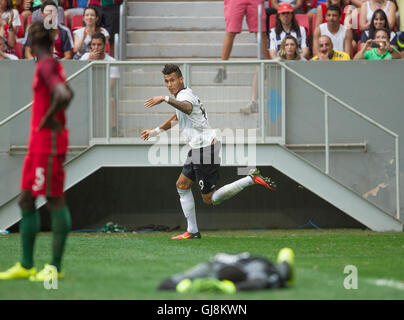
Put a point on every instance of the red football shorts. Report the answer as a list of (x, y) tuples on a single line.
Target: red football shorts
[(43, 175), (235, 10)]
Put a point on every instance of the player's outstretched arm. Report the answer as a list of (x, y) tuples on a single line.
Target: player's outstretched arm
[(183, 106), (148, 133)]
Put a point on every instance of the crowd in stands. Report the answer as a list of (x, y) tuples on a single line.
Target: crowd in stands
[(321, 29), (75, 23)]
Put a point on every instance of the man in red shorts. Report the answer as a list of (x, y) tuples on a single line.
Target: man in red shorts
[(234, 12), (43, 173)]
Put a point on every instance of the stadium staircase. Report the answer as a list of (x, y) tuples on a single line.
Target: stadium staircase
[(189, 30)]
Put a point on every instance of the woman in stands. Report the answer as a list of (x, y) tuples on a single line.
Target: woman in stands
[(370, 6), (379, 21), (289, 49), (9, 24), (82, 36), (286, 24)]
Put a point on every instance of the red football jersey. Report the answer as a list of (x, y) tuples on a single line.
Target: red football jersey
[(48, 73)]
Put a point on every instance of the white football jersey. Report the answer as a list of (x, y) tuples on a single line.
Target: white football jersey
[(195, 128)]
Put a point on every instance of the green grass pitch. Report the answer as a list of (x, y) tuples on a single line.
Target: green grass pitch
[(130, 266)]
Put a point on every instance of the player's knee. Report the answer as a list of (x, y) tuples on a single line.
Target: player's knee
[(207, 199), (182, 186), (26, 201), (54, 204)]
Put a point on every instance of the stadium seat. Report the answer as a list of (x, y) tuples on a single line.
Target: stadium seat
[(20, 32), (29, 20), (108, 48), (77, 21), (313, 23), (302, 20), (18, 49)]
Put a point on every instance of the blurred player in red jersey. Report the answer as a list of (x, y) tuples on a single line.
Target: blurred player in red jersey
[(43, 173)]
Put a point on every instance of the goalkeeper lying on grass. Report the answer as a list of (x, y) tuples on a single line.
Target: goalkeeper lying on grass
[(229, 273)]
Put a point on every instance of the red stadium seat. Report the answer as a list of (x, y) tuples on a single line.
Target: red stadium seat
[(108, 47), (20, 32), (18, 49), (77, 21), (313, 24), (29, 20)]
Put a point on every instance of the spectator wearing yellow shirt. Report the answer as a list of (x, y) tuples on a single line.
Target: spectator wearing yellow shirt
[(326, 50)]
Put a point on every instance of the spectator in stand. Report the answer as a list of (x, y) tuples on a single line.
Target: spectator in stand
[(97, 52), (286, 24), (297, 7), (322, 11), (9, 23), (63, 43), (340, 35), (37, 15), (81, 5), (327, 52), (289, 49), (400, 43), (234, 12), (379, 21), (370, 6), (3, 54), (82, 36), (110, 19), (379, 48)]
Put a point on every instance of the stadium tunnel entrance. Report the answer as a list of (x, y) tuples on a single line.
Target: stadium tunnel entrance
[(135, 197)]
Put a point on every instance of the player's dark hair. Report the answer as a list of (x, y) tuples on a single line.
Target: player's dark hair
[(372, 29), (48, 3), (334, 8), (40, 36), (99, 35), (385, 30), (170, 68)]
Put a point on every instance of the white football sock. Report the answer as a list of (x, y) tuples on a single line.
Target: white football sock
[(230, 190), (188, 207)]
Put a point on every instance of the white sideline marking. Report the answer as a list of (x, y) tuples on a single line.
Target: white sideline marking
[(388, 283)]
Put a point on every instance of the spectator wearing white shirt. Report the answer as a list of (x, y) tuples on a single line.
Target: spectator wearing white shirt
[(286, 24), (82, 36), (97, 52), (9, 24), (340, 35)]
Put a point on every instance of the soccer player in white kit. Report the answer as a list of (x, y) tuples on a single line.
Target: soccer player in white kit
[(203, 161)]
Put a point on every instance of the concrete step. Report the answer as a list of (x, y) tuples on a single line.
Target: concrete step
[(190, 23), (208, 92), (212, 107), (176, 8), (188, 50), (157, 37)]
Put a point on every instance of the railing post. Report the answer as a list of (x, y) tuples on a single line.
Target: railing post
[(327, 145), (259, 34), (261, 91), (107, 102), (283, 97), (397, 180), (90, 102)]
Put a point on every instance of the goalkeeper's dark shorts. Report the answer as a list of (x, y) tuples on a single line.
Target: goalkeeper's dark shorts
[(202, 165)]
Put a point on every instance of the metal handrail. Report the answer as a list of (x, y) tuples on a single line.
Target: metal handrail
[(26, 107)]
